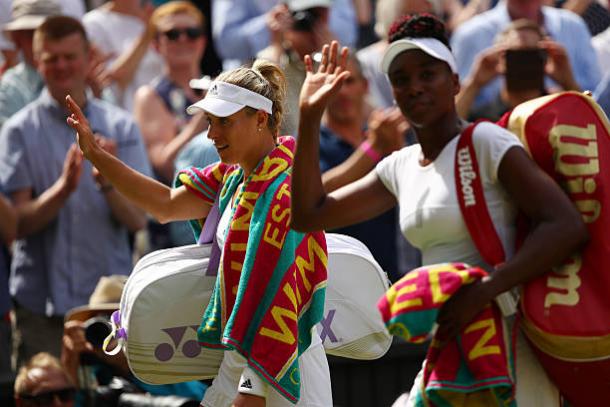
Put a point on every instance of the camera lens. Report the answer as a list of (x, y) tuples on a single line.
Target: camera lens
[(96, 330), (304, 20)]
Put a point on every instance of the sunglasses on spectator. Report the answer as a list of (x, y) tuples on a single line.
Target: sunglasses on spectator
[(192, 33), (47, 398)]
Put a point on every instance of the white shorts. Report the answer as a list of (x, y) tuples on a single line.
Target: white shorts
[(315, 381)]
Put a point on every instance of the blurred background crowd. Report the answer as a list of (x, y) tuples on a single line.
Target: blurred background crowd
[(66, 233)]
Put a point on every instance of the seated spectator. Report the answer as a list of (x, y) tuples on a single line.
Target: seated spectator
[(307, 31), (601, 43), (118, 29), (242, 28), (516, 89), (43, 381), (72, 225), (602, 94), (88, 366), (564, 27), (22, 84)]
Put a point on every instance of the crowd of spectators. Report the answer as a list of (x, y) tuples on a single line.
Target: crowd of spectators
[(135, 65)]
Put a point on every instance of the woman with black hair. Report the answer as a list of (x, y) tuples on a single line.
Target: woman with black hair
[(420, 180)]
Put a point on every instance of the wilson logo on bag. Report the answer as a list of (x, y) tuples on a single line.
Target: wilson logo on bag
[(565, 311)]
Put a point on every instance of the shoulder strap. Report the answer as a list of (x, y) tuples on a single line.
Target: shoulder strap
[(208, 235), (470, 195)]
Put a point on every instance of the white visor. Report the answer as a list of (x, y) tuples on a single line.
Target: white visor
[(223, 99), (430, 46)]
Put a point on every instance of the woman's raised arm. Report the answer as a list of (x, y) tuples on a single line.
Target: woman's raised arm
[(162, 202), (312, 208)]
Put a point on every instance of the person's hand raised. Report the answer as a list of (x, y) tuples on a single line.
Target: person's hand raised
[(387, 130), (78, 121), (319, 86)]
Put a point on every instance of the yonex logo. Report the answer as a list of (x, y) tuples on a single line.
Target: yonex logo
[(247, 384)]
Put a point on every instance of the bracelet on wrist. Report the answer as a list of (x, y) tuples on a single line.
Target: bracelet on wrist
[(370, 152)]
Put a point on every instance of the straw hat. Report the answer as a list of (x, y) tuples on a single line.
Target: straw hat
[(105, 299)]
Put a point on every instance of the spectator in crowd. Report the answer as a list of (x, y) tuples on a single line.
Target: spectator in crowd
[(22, 84), (160, 107), (601, 44), (305, 33), (594, 12), (72, 225), (242, 28), (344, 135), (43, 381), (8, 229), (120, 31), (82, 347), (491, 63), (564, 27)]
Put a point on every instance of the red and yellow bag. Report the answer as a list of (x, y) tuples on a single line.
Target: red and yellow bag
[(567, 311)]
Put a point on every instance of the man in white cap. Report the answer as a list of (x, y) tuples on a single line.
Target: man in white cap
[(22, 84)]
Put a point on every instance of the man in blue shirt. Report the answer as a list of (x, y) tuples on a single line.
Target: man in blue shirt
[(565, 27), (73, 226)]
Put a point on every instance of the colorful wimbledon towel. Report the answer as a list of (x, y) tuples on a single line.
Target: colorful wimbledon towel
[(271, 282), (471, 370)]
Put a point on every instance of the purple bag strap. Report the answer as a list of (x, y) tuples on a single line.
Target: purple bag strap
[(208, 235)]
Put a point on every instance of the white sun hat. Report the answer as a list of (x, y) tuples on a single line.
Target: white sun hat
[(223, 99), (431, 46)]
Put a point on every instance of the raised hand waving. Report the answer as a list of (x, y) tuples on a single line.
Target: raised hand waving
[(319, 86)]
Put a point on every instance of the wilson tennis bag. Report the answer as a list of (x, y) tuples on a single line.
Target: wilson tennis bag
[(167, 292), (565, 312)]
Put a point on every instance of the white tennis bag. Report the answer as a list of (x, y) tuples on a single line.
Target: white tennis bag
[(166, 294)]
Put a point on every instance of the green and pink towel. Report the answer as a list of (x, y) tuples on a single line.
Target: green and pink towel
[(475, 369), (271, 282)]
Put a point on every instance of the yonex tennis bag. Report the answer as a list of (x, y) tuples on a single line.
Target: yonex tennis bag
[(166, 294), (566, 311)]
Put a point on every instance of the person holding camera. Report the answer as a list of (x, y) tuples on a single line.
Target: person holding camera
[(242, 28), (89, 367), (307, 31), (524, 56)]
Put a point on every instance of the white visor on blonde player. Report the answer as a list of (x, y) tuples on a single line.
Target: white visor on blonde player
[(223, 99), (430, 46)]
